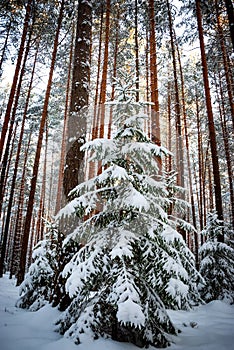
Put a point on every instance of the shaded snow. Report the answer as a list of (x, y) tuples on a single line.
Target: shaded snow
[(208, 327)]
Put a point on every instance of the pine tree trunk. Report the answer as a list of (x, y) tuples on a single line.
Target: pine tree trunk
[(136, 51), (169, 128), (222, 110), (225, 63), (40, 214), (96, 116), (196, 245), (114, 71), (179, 136), (60, 198), (104, 71), (213, 143), (15, 79), (77, 120), (230, 13), (200, 164), (29, 211), (155, 122)]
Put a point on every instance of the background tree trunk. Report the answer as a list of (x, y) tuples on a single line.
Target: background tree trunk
[(213, 143)]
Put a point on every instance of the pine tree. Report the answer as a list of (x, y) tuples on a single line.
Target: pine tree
[(217, 261), (134, 260)]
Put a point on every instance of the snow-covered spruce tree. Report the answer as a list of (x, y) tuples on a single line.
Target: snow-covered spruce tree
[(35, 291), (217, 263), (44, 282), (134, 259)]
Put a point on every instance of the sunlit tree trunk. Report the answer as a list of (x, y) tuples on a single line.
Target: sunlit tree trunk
[(114, 71), (200, 164), (60, 198), (136, 51), (77, 119), (16, 76), (212, 133), (179, 136), (155, 121), (95, 115), (104, 72)]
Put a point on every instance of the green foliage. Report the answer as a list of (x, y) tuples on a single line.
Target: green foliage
[(35, 290), (217, 261)]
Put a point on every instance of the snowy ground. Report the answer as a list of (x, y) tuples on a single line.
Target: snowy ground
[(208, 327)]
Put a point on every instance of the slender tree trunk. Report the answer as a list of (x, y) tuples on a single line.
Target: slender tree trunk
[(96, 117), (114, 71), (15, 79), (147, 80), (187, 146), (225, 63), (59, 197), (40, 214), (230, 13), (104, 71), (155, 122), (179, 136), (213, 143), (137, 51), (227, 149), (196, 244), (169, 127), (29, 211), (200, 164)]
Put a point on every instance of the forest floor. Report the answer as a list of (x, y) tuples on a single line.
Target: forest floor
[(207, 327)]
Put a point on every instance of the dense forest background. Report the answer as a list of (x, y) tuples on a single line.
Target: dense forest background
[(59, 67)]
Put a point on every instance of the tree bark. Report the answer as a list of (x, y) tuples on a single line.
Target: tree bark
[(104, 71), (136, 51), (179, 136), (213, 143), (225, 63), (77, 120), (227, 149), (155, 122), (60, 197)]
